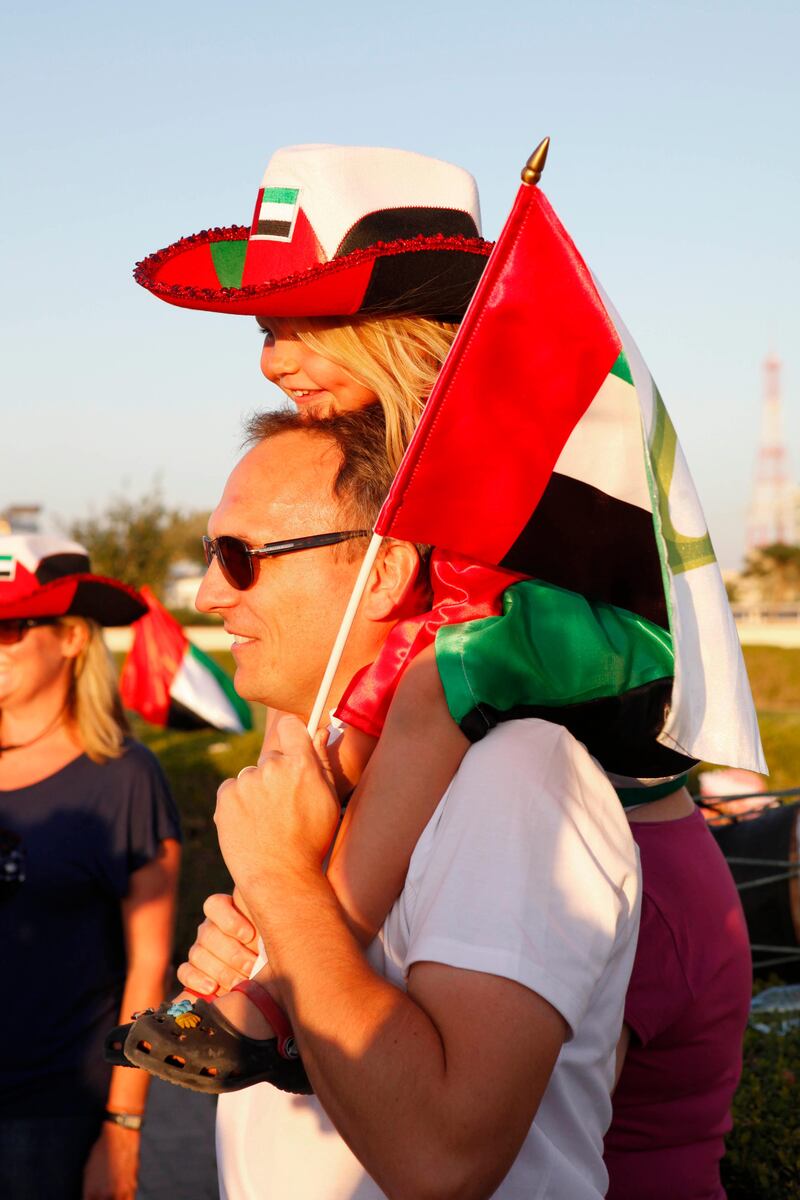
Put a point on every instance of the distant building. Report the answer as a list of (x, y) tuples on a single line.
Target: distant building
[(771, 516), (183, 583), (21, 518)]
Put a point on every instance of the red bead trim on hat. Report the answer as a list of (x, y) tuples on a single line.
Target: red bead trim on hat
[(144, 270), (56, 598)]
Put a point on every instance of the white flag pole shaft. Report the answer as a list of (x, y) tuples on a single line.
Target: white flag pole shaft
[(344, 630)]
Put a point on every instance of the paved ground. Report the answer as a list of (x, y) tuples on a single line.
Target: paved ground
[(178, 1160)]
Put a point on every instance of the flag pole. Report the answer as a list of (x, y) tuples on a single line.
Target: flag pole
[(344, 630)]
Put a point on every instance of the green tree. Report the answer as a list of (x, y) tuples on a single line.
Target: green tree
[(777, 569), (186, 535), (138, 540)]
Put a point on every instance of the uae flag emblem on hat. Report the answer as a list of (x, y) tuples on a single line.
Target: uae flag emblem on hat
[(276, 213), (172, 683)]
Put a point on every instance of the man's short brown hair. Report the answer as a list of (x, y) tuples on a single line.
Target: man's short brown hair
[(364, 477)]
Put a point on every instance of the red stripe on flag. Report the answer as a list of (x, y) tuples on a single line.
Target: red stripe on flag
[(153, 661), (257, 210), (532, 352)]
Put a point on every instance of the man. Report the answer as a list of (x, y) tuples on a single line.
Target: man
[(470, 1052)]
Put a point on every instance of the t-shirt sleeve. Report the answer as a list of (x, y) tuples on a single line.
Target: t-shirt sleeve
[(658, 992), (532, 873), (143, 813)]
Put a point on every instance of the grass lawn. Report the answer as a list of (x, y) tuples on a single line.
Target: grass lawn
[(775, 680)]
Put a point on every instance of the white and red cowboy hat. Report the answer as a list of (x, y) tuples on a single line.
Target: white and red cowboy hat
[(42, 576), (337, 231)]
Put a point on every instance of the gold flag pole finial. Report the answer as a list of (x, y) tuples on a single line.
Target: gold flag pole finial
[(532, 171)]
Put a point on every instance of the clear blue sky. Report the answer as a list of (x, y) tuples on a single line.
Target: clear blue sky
[(673, 165)]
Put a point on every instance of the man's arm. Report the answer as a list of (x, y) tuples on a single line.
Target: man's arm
[(435, 1089)]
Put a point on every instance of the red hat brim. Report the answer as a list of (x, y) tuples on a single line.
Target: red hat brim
[(106, 601), (427, 276)]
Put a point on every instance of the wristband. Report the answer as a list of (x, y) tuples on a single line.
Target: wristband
[(132, 1121)]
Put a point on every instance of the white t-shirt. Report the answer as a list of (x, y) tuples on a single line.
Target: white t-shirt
[(526, 870)]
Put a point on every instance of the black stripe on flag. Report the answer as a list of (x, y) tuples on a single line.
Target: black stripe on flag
[(274, 228), (582, 539)]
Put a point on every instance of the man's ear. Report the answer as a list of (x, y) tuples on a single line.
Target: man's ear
[(392, 580)]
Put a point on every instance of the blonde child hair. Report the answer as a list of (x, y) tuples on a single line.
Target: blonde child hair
[(397, 358), (93, 701)]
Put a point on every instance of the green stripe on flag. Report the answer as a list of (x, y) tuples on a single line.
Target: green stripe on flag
[(228, 259), (240, 707), (684, 553), (280, 195), (549, 648), (621, 368)]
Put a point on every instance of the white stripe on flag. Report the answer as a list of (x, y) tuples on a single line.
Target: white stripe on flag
[(196, 689), (276, 212), (605, 447)]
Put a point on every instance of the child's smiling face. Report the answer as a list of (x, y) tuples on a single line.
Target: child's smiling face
[(311, 381)]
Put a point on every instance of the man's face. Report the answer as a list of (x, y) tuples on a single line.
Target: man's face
[(284, 625)]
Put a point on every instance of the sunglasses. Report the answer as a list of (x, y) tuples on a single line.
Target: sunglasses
[(13, 629), (235, 557)]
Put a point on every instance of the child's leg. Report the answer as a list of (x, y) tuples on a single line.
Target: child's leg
[(418, 754)]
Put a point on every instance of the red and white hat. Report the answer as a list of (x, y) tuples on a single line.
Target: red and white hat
[(42, 576), (337, 231)]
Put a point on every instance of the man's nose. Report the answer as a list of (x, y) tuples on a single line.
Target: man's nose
[(214, 593)]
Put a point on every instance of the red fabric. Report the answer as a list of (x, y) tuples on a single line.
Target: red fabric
[(24, 596), (268, 259), (153, 661), (195, 263), (687, 1006), (533, 350), (105, 600), (462, 591)]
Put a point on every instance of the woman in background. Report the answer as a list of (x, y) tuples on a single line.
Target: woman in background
[(89, 839)]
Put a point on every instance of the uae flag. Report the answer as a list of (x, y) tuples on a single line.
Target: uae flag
[(545, 448), (171, 683), (276, 213)]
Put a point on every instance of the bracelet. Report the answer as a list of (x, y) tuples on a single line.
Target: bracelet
[(132, 1121)]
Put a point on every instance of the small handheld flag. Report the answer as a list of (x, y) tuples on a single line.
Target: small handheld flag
[(172, 683)]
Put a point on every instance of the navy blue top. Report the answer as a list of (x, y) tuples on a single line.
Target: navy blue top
[(82, 833)]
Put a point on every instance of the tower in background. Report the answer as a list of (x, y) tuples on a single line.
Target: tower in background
[(771, 516)]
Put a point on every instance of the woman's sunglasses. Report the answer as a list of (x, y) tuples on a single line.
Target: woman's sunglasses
[(13, 629), (235, 557)]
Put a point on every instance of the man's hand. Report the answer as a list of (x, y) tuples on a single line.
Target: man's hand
[(225, 950), (278, 819)]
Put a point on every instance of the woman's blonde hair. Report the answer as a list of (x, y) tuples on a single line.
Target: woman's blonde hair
[(93, 701), (397, 358)]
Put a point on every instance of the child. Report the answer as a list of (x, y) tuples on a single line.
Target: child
[(413, 252)]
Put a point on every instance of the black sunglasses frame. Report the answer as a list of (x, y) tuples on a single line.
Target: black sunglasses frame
[(219, 547), (22, 624)]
